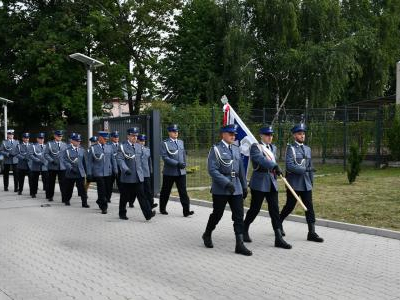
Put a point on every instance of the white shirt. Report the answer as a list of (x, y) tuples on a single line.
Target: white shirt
[(226, 144)]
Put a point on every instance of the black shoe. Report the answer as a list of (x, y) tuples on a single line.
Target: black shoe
[(33, 196), (163, 212), (131, 205), (15, 190), (108, 201), (312, 235), (104, 212), (50, 199), (19, 193), (207, 240), (123, 217), (246, 237), (280, 242), (153, 213), (154, 205), (6, 189), (188, 213), (67, 204), (240, 247), (85, 205)]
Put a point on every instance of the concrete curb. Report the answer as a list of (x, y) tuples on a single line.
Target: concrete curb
[(320, 222)]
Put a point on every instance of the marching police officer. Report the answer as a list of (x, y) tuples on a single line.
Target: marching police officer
[(93, 141), (147, 170), (9, 149), (300, 171), (114, 141), (101, 166), (131, 181), (23, 165), (52, 153), (264, 185), (174, 156), (74, 163), (38, 164), (229, 185)]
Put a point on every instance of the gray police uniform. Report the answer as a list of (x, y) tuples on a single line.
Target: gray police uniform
[(132, 177), (116, 177), (299, 174), (226, 166), (9, 149), (38, 166), (147, 171), (73, 162), (102, 165), (263, 185), (52, 154), (23, 165), (173, 154)]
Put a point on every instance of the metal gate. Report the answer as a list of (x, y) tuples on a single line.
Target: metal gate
[(147, 124)]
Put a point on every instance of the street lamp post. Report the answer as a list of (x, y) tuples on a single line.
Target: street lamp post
[(6, 101), (90, 64)]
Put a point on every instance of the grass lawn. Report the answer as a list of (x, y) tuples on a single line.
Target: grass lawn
[(373, 200)]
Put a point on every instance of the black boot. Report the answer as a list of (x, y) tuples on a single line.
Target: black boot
[(246, 237), (207, 239), (279, 241), (312, 235), (240, 247)]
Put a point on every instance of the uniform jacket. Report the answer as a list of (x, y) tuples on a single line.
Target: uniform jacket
[(146, 161), (9, 151), (299, 167), (222, 172), (73, 162), (37, 161), (262, 178), (101, 162), (129, 158), (53, 154), (173, 153), (23, 156)]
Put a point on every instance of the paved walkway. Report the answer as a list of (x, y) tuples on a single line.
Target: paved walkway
[(60, 252)]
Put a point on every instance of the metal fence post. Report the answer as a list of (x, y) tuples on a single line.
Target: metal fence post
[(378, 140), (264, 116), (345, 139), (213, 125), (324, 141), (155, 143)]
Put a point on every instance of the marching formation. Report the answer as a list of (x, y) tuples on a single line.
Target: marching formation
[(129, 166)]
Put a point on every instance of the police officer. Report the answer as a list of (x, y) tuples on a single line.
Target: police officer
[(300, 170), (93, 141), (147, 169), (174, 156), (52, 154), (23, 165), (38, 164), (74, 163), (114, 141), (9, 149), (101, 166), (131, 182), (264, 185), (229, 185)]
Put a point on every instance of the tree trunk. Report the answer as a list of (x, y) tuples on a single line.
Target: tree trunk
[(129, 91)]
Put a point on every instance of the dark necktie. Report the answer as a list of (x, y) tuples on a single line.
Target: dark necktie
[(102, 147), (58, 144), (41, 146)]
